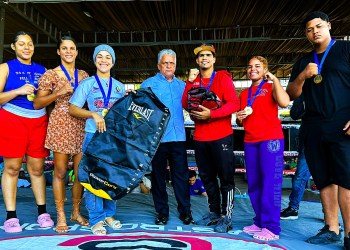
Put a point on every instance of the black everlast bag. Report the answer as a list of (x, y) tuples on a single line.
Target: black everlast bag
[(201, 96), (115, 161)]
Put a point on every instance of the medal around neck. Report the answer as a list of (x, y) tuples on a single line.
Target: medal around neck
[(318, 79), (104, 112), (248, 110), (31, 97)]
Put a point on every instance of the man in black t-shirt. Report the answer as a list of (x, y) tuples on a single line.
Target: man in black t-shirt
[(323, 76)]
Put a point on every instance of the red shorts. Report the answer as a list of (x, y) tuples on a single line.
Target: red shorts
[(21, 136)]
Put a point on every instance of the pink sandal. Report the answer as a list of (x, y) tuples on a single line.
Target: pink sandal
[(12, 226), (266, 235), (251, 229), (45, 220)]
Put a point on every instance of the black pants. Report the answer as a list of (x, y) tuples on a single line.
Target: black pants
[(175, 153), (216, 159)]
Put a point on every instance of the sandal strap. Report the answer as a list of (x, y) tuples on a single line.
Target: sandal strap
[(76, 202), (59, 205), (61, 216), (96, 228), (80, 220), (115, 224)]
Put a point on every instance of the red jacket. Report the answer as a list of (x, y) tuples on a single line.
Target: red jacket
[(263, 124), (219, 125)]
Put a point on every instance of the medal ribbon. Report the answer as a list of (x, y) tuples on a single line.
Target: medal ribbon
[(210, 81), (250, 101), (69, 78), (30, 78), (108, 97), (323, 57)]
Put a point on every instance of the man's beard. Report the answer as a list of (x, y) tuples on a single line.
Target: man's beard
[(204, 67)]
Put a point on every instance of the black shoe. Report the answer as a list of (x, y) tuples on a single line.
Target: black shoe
[(325, 236), (224, 225), (186, 218), (346, 243), (208, 219), (161, 219), (289, 213)]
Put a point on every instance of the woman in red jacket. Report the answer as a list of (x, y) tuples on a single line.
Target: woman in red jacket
[(263, 147)]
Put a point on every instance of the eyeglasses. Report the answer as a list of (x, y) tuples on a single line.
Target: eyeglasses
[(171, 64)]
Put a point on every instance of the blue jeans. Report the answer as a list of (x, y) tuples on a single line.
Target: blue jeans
[(302, 175), (99, 209)]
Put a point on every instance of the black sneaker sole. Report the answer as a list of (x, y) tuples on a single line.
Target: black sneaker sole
[(290, 218)]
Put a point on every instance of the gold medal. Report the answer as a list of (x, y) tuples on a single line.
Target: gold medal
[(31, 97), (248, 110), (318, 79), (104, 112)]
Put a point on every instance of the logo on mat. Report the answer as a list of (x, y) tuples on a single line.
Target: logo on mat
[(136, 240), (274, 146), (140, 111)]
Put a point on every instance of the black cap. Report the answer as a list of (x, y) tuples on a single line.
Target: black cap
[(315, 14)]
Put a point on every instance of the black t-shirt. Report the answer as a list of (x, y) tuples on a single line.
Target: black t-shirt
[(330, 99)]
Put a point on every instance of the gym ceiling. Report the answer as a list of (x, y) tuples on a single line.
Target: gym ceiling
[(138, 30)]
